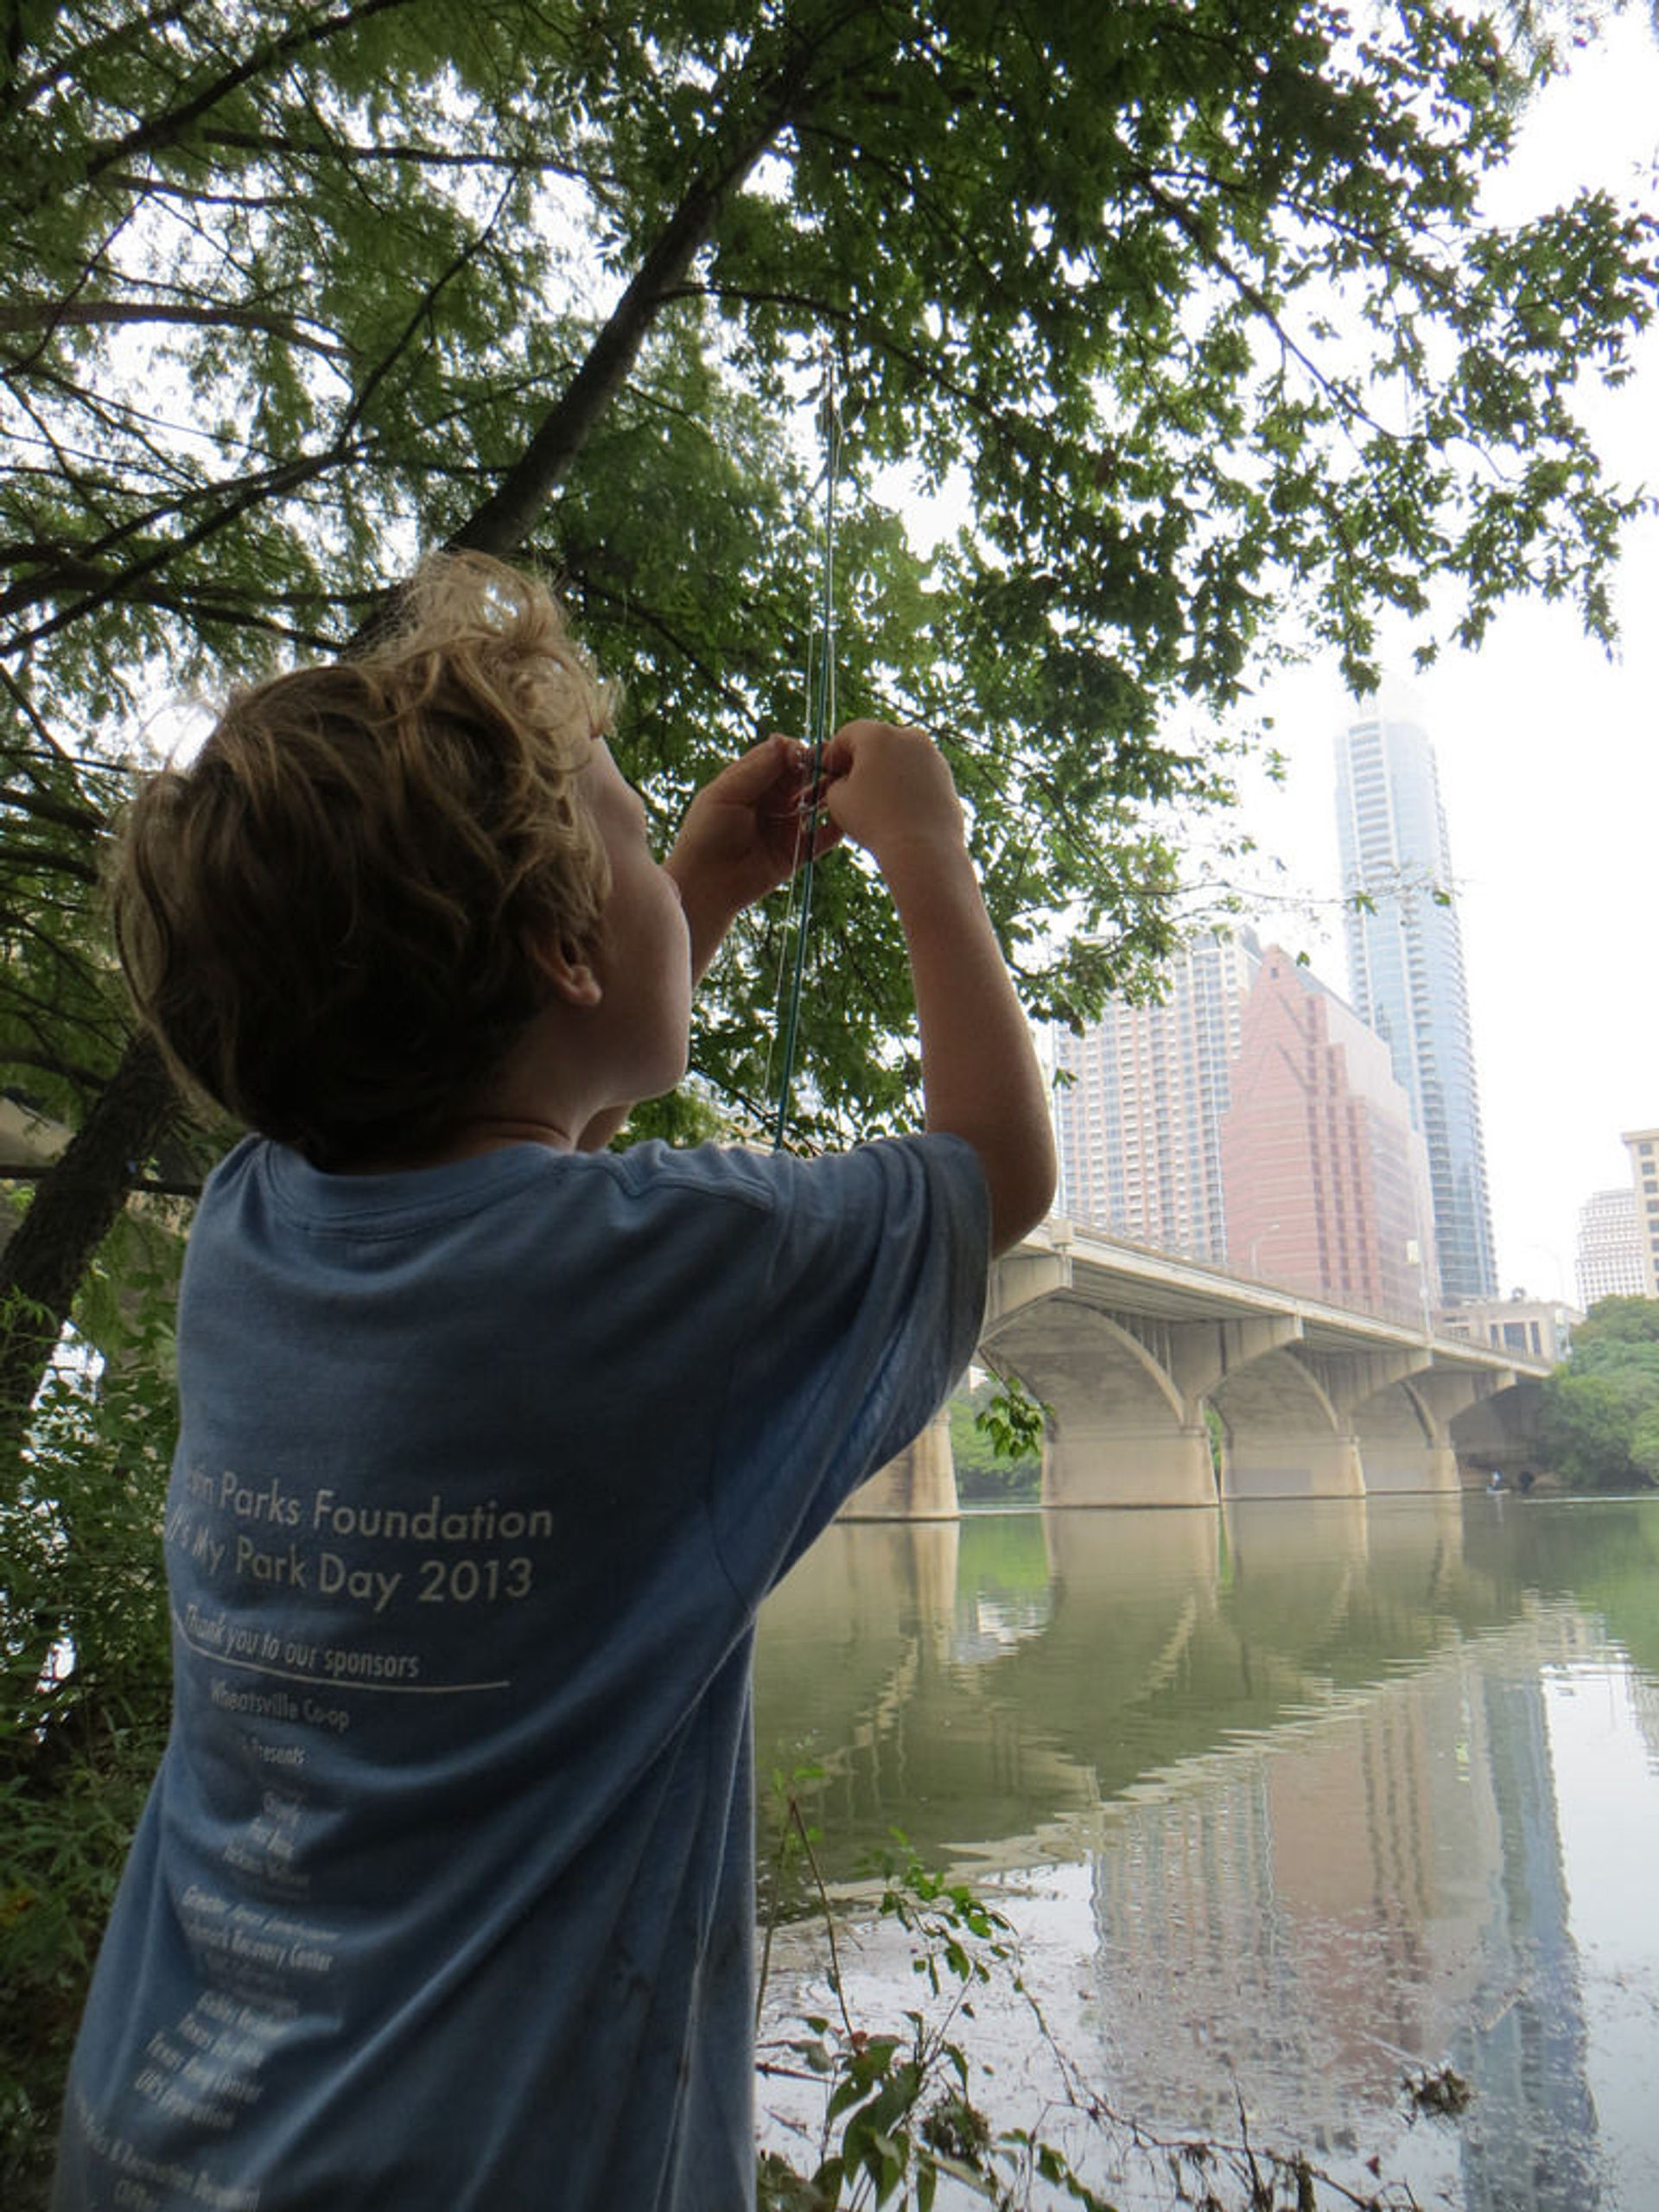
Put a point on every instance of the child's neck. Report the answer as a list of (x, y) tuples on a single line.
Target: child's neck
[(468, 1139), (488, 1132)]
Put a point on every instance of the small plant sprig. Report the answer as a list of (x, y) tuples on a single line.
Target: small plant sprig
[(898, 2115), (1014, 1420)]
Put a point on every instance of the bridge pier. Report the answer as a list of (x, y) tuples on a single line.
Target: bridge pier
[(1290, 1464), (1396, 1468), (1285, 1432), (1403, 1441), (1089, 1464), (920, 1485)]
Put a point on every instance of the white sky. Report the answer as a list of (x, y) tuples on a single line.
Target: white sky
[(1546, 757)]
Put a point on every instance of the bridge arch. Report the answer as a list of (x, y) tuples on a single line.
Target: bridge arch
[(1283, 1433), (1404, 1443), (1498, 1424), (1122, 1431)]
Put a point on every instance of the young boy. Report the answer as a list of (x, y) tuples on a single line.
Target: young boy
[(491, 1441)]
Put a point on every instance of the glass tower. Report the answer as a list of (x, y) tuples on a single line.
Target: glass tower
[(1405, 967)]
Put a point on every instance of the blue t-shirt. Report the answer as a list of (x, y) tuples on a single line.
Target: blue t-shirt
[(443, 1897)]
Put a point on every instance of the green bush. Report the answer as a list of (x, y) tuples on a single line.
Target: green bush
[(1601, 1428), (84, 1692)]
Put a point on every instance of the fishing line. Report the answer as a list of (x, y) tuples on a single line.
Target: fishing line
[(793, 892), (821, 710)]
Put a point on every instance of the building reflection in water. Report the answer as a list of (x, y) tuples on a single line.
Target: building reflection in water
[(1301, 1751), (1527, 2044)]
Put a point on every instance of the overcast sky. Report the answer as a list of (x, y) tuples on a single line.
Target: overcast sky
[(1549, 771)]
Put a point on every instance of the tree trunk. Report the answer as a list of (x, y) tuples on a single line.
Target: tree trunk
[(74, 1208)]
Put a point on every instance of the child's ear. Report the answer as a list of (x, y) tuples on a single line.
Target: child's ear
[(572, 977)]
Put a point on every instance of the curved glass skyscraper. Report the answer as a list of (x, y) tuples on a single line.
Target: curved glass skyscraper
[(1405, 966)]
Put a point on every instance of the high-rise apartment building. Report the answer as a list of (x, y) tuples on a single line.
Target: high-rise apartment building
[(1405, 966), (1643, 1146), (1610, 1249), (1139, 1122), (1326, 1180)]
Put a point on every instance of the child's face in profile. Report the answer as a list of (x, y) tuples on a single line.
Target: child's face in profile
[(643, 958)]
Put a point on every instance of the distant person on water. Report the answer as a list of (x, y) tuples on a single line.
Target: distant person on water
[(493, 1439)]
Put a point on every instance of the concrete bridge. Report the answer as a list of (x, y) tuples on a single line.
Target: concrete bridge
[(1133, 1351)]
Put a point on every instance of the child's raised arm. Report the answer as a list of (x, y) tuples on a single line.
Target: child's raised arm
[(891, 791)]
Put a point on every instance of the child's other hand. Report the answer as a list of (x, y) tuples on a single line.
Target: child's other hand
[(743, 834), (886, 787)]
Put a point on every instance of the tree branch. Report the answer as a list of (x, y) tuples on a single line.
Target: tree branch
[(500, 525), (267, 57), (57, 315), (346, 151), (53, 1245)]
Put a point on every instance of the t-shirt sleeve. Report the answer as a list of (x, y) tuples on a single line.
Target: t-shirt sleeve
[(871, 1304)]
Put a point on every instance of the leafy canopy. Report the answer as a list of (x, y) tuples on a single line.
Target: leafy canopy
[(1193, 303)]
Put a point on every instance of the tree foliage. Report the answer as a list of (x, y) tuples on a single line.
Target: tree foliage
[(998, 1461), (1601, 1408), (1194, 305), (84, 1677)]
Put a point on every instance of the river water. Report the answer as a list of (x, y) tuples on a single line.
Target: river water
[(1287, 1804)]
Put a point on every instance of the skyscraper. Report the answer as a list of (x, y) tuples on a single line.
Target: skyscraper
[(1405, 966), (1326, 1180), (1609, 1248), (1140, 1121)]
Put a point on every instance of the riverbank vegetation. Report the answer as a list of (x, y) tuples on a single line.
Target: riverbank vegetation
[(84, 1698), (862, 2114), (1601, 1406)]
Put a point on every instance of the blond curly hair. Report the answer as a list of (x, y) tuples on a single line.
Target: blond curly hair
[(331, 917)]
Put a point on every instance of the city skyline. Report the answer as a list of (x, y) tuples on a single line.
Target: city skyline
[(1249, 1118), (1543, 740)]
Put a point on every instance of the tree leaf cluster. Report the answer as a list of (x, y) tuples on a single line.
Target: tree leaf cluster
[(998, 1459)]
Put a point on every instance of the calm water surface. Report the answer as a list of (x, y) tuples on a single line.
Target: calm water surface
[(1284, 1802)]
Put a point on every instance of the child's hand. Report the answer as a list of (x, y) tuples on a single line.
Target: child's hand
[(887, 786), (743, 834)]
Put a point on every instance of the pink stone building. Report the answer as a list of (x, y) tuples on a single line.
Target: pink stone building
[(1326, 1182)]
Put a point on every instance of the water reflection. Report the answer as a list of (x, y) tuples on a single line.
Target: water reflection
[(1302, 1757)]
